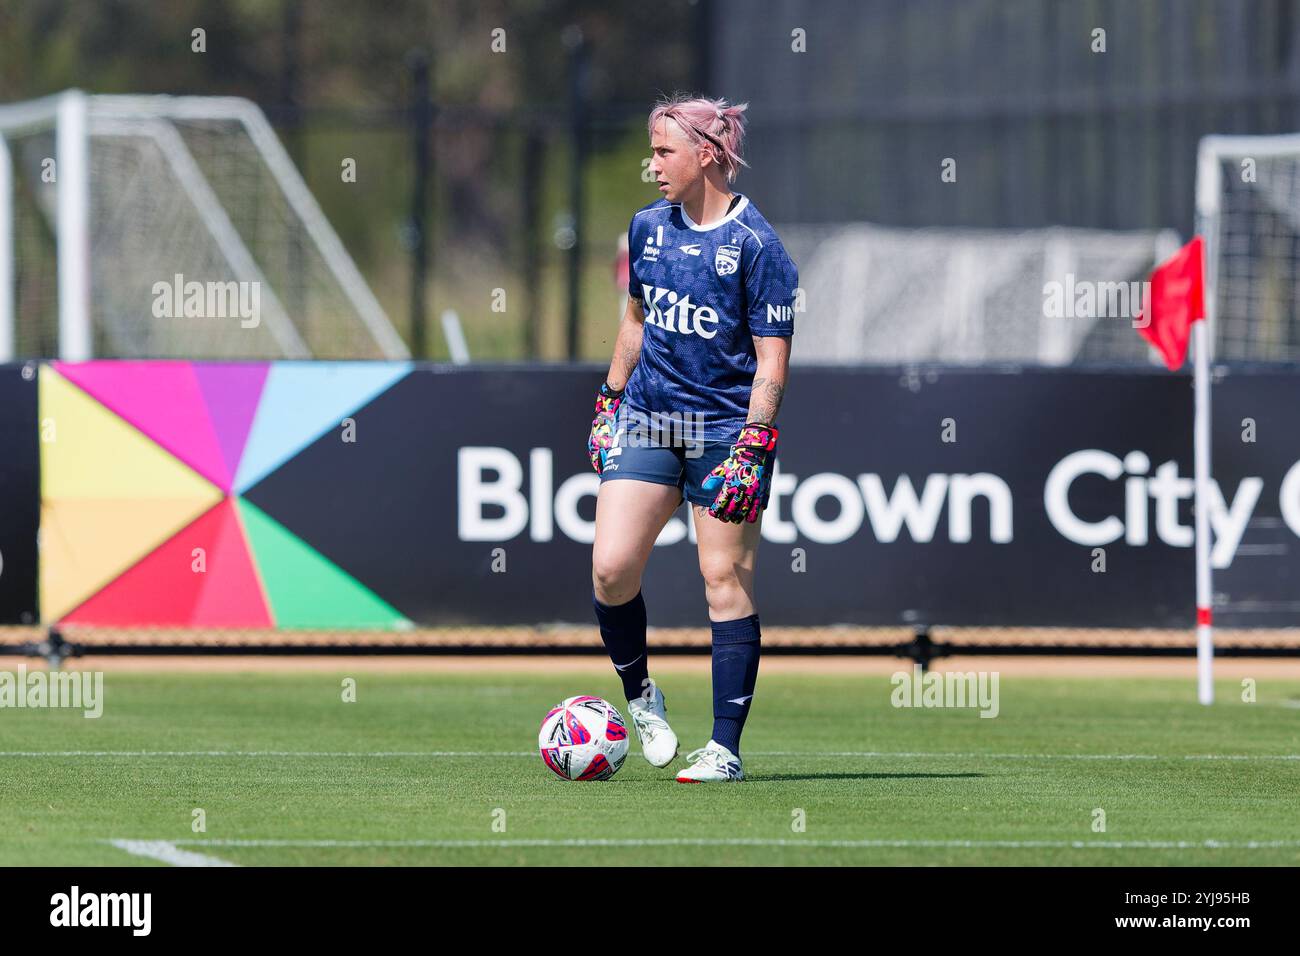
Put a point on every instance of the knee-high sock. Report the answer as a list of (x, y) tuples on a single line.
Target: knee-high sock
[(622, 628), (735, 671)]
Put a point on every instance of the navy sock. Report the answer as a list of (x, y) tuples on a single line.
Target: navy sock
[(622, 628), (735, 671)]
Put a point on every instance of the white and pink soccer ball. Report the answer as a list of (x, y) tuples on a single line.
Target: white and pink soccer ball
[(584, 738)]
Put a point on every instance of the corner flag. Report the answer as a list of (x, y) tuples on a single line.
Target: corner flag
[(1175, 311), (1177, 300)]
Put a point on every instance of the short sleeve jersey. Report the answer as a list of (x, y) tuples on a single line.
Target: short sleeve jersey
[(706, 291)]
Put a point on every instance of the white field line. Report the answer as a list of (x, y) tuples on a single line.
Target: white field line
[(268, 753), (168, 852), (862, 754), (979, 755), (780, 842)]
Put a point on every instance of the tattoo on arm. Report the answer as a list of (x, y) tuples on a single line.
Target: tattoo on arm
[(765, 399), (631, 355), (627, 348)]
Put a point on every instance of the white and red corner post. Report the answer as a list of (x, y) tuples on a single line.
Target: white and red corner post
[(1201, 454)]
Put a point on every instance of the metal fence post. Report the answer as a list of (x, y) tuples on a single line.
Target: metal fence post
[(578, 70), (421, 135)]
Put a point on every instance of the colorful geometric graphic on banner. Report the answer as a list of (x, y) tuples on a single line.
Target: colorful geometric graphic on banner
[(162, 400), (201, 577), (141, 519), (305, 589), (109, 495), (231, 392), (301, 402)]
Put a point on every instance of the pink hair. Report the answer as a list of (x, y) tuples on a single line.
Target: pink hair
[(709, 124)]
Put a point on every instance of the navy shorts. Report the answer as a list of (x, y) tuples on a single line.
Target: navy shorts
[(683, 464)]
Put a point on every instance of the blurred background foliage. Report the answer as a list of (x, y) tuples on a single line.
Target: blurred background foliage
[(855, 105), (335, 79)]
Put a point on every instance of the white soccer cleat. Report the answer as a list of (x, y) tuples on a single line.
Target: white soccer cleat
[(711, 763), (658, 742)]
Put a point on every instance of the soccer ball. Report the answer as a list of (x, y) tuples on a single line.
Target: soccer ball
[(584, 738)]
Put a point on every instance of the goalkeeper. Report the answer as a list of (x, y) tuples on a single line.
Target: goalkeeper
[(704, 345)]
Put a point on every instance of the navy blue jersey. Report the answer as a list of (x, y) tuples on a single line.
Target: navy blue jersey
[(706, 291)]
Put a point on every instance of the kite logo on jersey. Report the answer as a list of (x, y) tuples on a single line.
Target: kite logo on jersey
[(727, 260), (674, 313)]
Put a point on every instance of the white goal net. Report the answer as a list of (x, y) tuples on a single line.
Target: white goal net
[(1050, 296), (169, 227), (1248, 210)]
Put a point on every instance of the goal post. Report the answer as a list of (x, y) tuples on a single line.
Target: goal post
[(73, 228), (1248, 211), (139, 193)]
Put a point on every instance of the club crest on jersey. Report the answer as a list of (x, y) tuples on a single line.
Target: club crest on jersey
[(727, 260)]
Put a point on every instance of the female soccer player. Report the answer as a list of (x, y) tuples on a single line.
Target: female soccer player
[(702, 353)]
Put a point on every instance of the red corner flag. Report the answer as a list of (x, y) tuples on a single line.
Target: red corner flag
[(1177, 300)]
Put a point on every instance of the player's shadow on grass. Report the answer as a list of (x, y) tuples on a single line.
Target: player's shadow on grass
[(775, 777)]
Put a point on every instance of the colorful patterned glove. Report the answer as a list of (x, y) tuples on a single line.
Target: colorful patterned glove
[(742, 479), (602, 426)]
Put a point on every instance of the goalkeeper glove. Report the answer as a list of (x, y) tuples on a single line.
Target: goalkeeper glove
[(742, 480), (601, 438)]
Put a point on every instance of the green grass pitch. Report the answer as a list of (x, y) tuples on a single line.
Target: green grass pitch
[(425, 768)]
